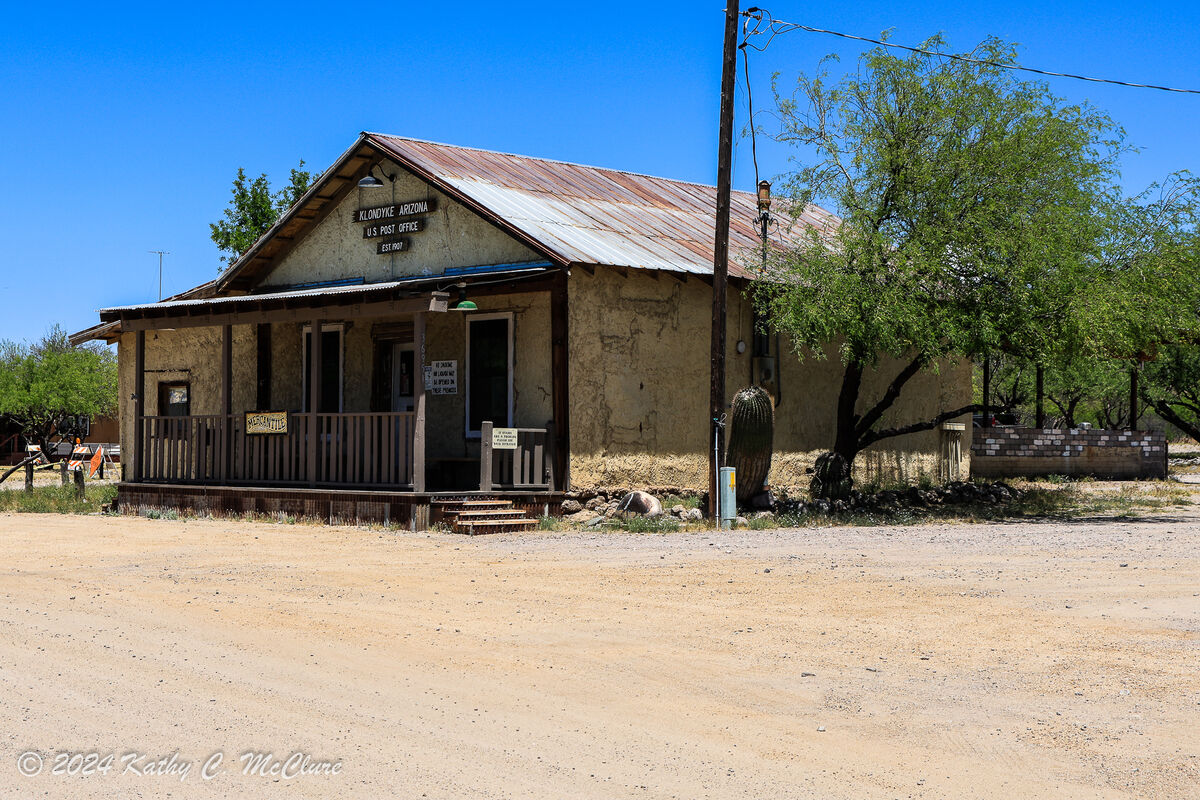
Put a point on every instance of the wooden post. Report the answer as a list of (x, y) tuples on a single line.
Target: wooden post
[(62, 468), (262, 400), (721, 248), (137, 469), (314, 397), (987, 391), (485, 457), (79, 490), (1133, 396), (227, 396), (560, 386), (418, 448), (29, 477), (1040, 378)]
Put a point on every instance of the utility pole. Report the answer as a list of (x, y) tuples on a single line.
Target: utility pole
[(721, 250), (161, 253)]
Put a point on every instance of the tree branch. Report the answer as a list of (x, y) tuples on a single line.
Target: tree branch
[(875, 436), (1164, 410), (889, 397)]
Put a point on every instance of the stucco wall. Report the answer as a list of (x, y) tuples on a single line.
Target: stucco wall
[(454, 236), (186, 354), (639, 352)]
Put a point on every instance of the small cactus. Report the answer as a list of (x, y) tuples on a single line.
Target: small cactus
[(831, 477), (751, 430)]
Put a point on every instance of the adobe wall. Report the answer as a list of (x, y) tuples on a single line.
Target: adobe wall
[(454, 236), (639, 361), (1010, 452), (185, 354)]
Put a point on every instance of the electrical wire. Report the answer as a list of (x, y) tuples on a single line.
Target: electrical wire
[(765, 25)]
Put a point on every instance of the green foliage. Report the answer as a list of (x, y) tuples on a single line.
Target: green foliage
[(661, 524), (254, 209), (43, 382), (979, 215), (58, 499), (1171, 386)]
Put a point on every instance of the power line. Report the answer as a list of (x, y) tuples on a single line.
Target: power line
[(765, 25)]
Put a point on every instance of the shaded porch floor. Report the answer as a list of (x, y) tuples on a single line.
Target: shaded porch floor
[(414, 511)]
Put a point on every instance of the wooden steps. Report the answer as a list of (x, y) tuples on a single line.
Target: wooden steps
[(472, 517)]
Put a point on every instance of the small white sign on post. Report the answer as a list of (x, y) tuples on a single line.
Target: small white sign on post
[(504, 438), (442, 377)]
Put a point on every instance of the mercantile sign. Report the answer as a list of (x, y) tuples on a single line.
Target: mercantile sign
[(266, 422)]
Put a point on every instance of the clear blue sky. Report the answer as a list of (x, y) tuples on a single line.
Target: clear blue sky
[(123, 126)]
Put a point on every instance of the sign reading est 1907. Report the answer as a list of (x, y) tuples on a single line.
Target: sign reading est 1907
[(388, 222)]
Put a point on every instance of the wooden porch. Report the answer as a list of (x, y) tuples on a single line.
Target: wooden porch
[(414, 511)]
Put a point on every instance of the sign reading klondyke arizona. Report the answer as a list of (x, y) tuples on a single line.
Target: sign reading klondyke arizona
[(386, 223)]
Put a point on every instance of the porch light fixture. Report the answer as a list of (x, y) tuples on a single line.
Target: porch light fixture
[(371, 182), (463, 304), (764, 196)]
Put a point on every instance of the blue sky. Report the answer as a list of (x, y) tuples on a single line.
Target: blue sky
[(123, 127)]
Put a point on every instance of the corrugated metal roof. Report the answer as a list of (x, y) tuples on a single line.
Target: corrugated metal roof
[(593, 215), (209, 302)]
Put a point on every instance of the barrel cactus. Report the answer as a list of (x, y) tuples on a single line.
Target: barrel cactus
[(751, 430), (831, 477)]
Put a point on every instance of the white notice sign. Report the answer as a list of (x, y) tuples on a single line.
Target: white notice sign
[(504, 438), (442, 377)]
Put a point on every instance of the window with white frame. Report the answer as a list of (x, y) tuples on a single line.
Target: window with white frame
[(489, 371)]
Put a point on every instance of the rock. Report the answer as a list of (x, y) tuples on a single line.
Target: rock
[(820, 729), (581, 516), (641, 503), (594, 503), (763, 500), (694, 515), (678, 510), (571, 506), (741, 522)]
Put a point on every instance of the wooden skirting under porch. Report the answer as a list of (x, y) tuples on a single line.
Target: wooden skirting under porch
[(411, 510)]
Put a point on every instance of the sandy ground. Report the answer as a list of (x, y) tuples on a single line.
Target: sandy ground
[(957, 661)]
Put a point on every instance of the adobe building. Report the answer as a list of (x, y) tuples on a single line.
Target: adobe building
[(490, 326)]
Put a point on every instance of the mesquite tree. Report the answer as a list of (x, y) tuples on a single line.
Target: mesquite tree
[(969, 207), (44, 382), (253, 210)]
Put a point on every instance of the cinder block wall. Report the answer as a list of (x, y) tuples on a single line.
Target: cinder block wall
[(1028, 452)]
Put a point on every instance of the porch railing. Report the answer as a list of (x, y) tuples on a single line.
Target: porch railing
[(363, 450), (529, 466)]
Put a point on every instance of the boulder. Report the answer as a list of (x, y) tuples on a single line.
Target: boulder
[(694, 515), (571, 506), (641, 503)]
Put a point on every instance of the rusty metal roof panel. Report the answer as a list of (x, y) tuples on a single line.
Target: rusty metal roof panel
[(594, 215)]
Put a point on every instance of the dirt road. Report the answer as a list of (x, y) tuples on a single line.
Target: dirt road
[(956, 661)]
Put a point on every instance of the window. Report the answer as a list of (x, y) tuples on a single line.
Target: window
[(489, 371), (174, 399), (330, 391)]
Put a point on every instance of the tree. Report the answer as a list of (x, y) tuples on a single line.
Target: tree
[(43, 383), (1172, 387), (969, 219), (253, 210)]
